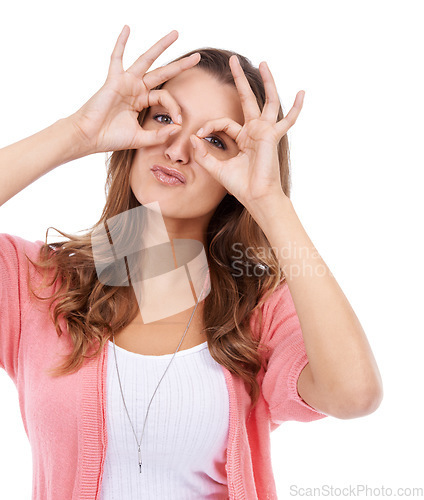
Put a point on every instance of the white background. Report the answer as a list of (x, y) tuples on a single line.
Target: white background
[(357, 163)]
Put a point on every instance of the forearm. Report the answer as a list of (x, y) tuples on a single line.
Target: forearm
[(25, 161), (340, 358)]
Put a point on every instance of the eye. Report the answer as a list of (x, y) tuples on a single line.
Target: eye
[(159, 115), (220, 144)]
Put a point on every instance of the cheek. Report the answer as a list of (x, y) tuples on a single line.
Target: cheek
[(136, 170), (214, 188), (139, 162), (131, 178)]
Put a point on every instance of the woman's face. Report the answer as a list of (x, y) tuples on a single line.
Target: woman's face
[(187, 208)]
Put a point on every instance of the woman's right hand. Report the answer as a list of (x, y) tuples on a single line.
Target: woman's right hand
[(108, 120)]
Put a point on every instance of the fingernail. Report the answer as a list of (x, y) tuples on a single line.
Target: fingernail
[(179, 119), (199, 132)]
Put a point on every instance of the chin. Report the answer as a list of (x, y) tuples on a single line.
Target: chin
[(165, 206)]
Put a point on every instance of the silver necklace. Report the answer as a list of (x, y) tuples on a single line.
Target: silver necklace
[(148, 408)]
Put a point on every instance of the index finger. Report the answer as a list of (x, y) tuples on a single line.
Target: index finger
[(143, 63), (164, 73)]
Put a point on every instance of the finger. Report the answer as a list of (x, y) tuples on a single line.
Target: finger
[(164, 73), (153, 137), (226, 125), (165, 99), (143, 63), (205, 159), (290, 119), (115, 65), (248, 100), (272, 101)]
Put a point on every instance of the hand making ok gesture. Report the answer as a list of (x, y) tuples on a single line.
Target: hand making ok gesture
[(254, 174)]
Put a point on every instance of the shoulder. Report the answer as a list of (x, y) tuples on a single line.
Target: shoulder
[(281, 295), (14, 264), (15, 247), (278, 306)]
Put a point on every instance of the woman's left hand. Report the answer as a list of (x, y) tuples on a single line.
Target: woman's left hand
[(254, 174)]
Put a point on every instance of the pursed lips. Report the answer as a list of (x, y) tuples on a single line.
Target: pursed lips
[(170, 171)]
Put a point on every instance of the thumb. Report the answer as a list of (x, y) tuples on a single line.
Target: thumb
[(204, 158)]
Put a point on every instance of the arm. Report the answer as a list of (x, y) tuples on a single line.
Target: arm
[(342, 377), (27, 160), (281, 333), (108, 121)]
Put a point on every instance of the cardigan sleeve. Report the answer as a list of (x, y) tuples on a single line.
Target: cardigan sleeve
[(13, 297), (286, 359)]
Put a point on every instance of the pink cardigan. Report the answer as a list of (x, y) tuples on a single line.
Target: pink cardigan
[(64, 417)]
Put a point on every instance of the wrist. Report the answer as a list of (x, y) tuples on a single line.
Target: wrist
[(265, 209), (80, 144)]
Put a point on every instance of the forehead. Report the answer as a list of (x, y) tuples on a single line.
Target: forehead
[(201, 94)]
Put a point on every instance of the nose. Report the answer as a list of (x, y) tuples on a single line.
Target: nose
[(178, 147)]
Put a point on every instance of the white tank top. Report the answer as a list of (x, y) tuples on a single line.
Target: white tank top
[(184, 444)]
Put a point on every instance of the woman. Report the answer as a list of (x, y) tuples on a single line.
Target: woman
[(266, 343)]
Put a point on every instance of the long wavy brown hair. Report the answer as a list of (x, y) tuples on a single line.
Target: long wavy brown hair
[(93, 311)]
